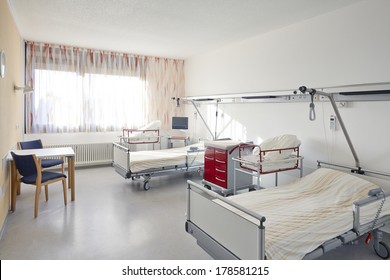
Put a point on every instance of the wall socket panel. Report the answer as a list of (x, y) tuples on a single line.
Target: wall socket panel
[(332, 122)]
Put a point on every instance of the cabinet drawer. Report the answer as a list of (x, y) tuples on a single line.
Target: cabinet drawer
[(220, 161), (220, 173), (220, 155), (221, 181), (209, 153), (220, 165)]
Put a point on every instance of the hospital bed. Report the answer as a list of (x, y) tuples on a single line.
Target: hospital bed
[(149, 134), (303, 219), (148, 164), (274, 155)]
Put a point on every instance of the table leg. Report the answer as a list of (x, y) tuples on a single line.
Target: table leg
[(15, 185), (71, 178)]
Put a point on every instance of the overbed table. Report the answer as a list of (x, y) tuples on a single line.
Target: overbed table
[(42, 153)]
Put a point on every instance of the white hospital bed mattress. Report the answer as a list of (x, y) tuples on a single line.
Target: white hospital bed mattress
[(156, 159), (302, 215)]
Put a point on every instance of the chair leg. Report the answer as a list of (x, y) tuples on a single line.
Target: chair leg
[(64, 189), (18, 191), (37, 193), (46, 192)]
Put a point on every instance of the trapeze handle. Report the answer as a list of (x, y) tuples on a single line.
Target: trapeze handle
[(312, 113)]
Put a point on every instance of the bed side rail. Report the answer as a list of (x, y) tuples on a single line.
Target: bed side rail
[(150, 136), (360, 171), (375, 196), (291, 156)]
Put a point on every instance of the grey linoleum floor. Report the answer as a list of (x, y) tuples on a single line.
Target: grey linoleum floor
[(113, 218)]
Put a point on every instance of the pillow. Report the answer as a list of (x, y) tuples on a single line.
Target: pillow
[(153, 125)]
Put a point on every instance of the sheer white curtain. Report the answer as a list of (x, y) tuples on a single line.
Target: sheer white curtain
[(84, 90)]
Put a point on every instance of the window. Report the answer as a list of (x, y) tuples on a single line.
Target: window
[(64, 101), (85, 90)]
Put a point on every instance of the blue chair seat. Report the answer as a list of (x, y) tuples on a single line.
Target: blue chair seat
[(51, 162), (46, 176)]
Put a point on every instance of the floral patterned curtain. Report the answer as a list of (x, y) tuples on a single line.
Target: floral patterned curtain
[(85, 90)]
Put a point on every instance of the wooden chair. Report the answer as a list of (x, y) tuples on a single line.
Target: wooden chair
[(30, 169)]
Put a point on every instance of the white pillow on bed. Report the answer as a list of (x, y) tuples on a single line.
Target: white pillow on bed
[(278, 142), (153, 125)]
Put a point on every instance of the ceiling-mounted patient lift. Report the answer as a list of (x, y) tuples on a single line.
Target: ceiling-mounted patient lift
[(330, 96), (312, 117), (213, 135), (355, 92), (291, 96)]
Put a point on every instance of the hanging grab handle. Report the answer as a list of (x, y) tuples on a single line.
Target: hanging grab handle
[(312, 113), (311, 91)]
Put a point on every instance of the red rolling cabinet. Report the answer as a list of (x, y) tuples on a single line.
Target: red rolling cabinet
[(219, 166)]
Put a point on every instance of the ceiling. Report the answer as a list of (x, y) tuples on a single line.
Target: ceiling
[(164, 28)]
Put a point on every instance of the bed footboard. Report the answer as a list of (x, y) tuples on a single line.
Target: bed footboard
[(121, 160), (223, 233)]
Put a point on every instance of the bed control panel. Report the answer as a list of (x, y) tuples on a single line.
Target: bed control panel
[(375, 192)]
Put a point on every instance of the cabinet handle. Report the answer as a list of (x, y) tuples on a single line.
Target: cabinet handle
[(208, 158), (220, 170), (220, 161), (217, 152), (220, 179)]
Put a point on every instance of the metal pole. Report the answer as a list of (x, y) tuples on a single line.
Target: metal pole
[(336, 110), (188, 201), (261, 245), (208, 128)]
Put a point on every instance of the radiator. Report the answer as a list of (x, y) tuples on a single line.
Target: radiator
[(90, 154)]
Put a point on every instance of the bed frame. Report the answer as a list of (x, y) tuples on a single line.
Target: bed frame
[(224, 234), (122, 159)]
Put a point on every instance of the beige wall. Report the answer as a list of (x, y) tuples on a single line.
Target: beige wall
[(10, 101)]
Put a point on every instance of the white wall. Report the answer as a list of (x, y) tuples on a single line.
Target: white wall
[(345, 47)]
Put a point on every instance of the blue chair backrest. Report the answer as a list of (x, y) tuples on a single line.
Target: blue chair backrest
[(25, 164), (34, 144)]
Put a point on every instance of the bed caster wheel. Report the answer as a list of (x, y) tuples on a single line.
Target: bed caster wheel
[(207, 187), (383, 251), (146, 186)]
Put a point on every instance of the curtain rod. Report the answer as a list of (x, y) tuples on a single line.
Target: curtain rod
[(97, 50)]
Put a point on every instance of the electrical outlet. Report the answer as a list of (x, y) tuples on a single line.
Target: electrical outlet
[(341, 104), (332, 122)]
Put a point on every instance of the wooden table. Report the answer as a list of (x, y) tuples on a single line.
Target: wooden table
[(42, 153)]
